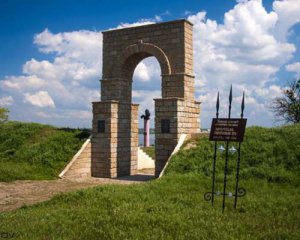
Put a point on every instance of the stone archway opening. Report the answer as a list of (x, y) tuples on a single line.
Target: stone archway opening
[(131, 57), (115, 125), (146, 86)]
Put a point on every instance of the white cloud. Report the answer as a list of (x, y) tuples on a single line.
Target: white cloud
[(141, 72), (20, 83), (294, 67), (273, 91), (187, 12), (288, 12), (147, 70), (77, 45), (246, 50), (241, 1), (244, 40), (146, 86), (143, 21), (40, 99), (6, 101), (157, 18), (68, 114), (136, 24), (70, 79)]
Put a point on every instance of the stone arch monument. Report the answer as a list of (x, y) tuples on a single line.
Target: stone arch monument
[(115, 117)]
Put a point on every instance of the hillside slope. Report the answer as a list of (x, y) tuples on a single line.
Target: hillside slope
[(266, 153), (173, 206), (35, 151)]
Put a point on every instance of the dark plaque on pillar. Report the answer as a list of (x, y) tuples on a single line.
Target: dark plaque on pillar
[(101, 126), (165, 126)]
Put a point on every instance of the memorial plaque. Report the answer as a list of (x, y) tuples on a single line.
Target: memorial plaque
[(225, 129), (101, 126), (165, 126)]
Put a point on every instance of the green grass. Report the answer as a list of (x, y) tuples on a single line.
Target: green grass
[(170, 208), (173, 207), (272, 154), (150, 151), (35, 151)]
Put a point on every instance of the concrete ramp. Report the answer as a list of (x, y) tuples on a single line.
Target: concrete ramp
[(80, 165), (182, 139)]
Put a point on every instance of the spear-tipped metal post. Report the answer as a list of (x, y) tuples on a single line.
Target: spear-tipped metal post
[(215, 156), (243, 106), (226, 157), (239, 157), (230, 101)]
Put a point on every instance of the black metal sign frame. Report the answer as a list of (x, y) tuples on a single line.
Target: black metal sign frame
[(228, 130)]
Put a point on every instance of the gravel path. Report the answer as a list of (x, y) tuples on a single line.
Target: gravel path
[(18, 193)]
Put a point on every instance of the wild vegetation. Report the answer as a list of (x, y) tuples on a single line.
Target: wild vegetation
[(3, 115), (35, 151), (287, 106), (173, 206)]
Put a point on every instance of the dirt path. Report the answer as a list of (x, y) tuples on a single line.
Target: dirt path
[(18, 193)]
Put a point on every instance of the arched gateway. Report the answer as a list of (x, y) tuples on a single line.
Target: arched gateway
[(115, 117)]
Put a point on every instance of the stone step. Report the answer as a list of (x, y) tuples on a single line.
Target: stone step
[(144, 160), (148, 155)]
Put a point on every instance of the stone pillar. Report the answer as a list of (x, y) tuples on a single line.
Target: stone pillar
[(165, 139), (114, 148), (104, 140), (134, 137), (182, 116), (127, 141)]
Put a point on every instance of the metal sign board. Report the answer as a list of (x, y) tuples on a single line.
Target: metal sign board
[(228, 129)]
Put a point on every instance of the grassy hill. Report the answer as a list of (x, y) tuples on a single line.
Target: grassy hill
[(266, 153), (35, 151), (173, 206)]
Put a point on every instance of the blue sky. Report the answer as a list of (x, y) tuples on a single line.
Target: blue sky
[(51, 54), (20, 20)]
